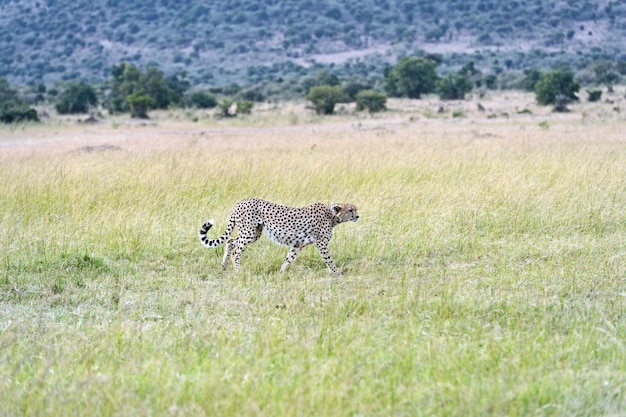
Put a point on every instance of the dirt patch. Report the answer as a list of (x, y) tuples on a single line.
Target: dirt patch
[(99, 148)]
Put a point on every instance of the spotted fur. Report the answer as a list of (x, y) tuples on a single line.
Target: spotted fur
[(289, 226)]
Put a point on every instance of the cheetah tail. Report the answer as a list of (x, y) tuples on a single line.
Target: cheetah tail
[(202, 234)]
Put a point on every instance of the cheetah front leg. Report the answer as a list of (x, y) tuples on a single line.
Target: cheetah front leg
[(322, 247)]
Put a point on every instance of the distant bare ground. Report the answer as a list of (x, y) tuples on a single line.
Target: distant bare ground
[(290, 122)]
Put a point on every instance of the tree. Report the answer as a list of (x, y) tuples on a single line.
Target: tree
[(77, 98), (322, 77), (8, 96), (554, 84), (371, 100), (454, 87), (412, 77), (324, 98), (154, 84), (127, 80), (491, 82), (531, 78), (606, 73), (124, 82)]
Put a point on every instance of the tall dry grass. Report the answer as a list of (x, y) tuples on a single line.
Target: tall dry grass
[(485, 276)]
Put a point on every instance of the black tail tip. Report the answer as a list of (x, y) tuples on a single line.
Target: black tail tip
[(206, 226)]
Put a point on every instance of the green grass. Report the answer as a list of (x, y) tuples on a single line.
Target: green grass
[(486, 275)]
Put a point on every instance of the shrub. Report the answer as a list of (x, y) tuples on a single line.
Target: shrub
[(322, 77), (229, 107), (252, 94), (245, 106), (454, 87), (16, 114), (13, 109), (371, 100), (202, 100), (605, 73), (77, 98), (139, 104), (353, 88), (531, 78), (560, 103), (8, 96), (457, 114), (594, 95), (491, 82), (324, 98), (556, 83)]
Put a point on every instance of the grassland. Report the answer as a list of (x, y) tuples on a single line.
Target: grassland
[(486, 275)]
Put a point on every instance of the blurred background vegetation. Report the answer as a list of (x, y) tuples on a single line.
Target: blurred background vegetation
[(190, 52)]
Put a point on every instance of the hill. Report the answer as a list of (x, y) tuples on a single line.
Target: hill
[(247, 41)]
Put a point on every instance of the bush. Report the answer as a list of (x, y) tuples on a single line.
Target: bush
[(560, 103), (322, 77), (605, 73), (21, 113), (594, 95), (245, 106), (324, 98), (371, 100), (353, 88), (554, 84), (139, 104), (491, 82), (202, 100), (13, 109), (8, 96), (531, 78), (252, 94), (77, 98), (230, 107), (454, 87)]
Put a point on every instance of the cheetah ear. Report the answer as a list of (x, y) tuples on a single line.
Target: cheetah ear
[(336, 208)]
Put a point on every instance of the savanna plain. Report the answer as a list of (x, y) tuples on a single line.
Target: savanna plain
[(485, 276)]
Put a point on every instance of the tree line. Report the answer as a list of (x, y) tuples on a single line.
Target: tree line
[(137, 92), (64, 38)]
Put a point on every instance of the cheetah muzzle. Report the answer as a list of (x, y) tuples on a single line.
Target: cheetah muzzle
[(289, 226)]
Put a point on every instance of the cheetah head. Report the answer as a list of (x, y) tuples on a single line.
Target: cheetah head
[(345, 212)]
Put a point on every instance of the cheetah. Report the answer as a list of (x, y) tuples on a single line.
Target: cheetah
[(289, 226)]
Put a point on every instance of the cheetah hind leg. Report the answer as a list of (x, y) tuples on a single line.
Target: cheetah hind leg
[(240, 244), (228, 250), (293, 252)]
